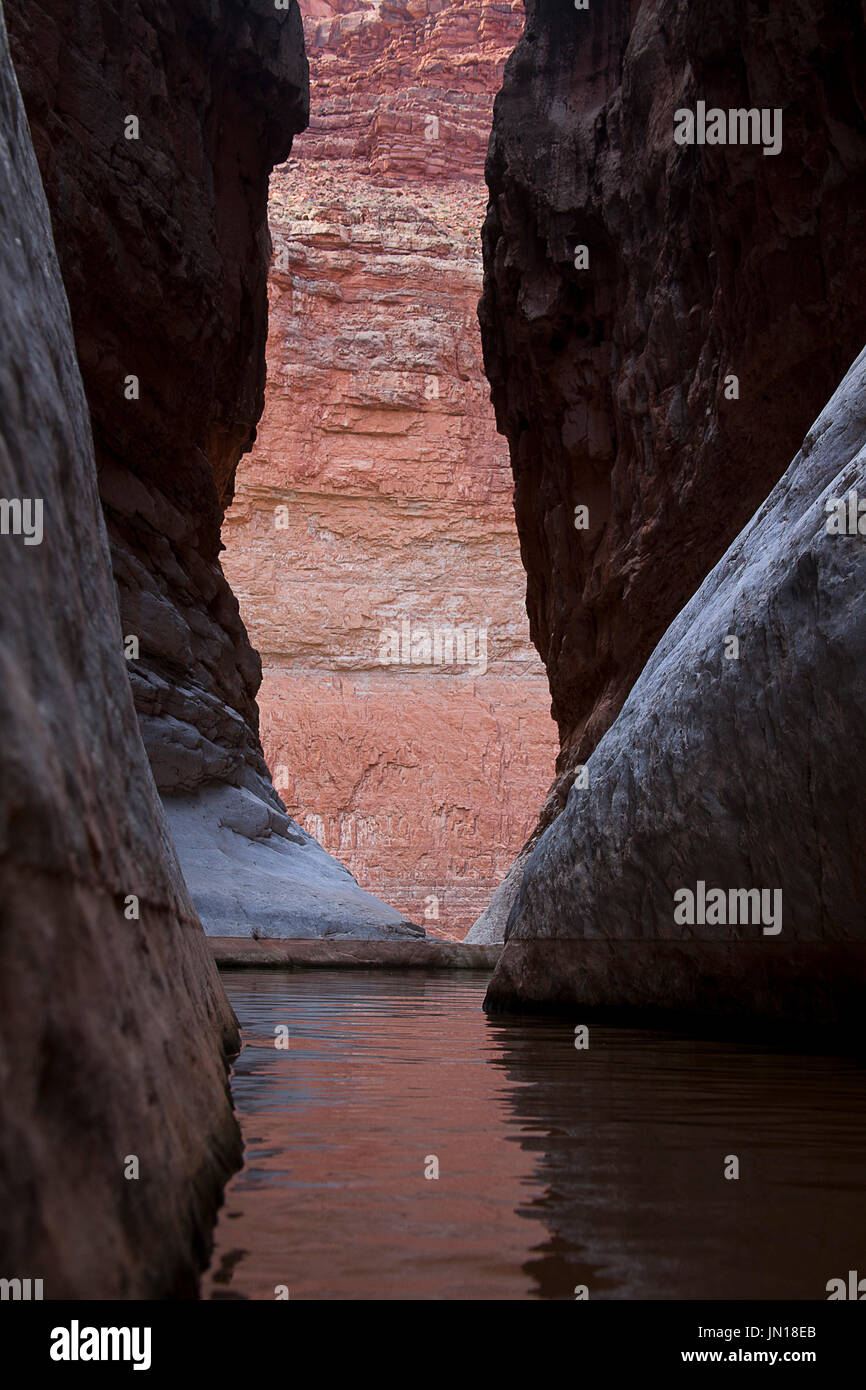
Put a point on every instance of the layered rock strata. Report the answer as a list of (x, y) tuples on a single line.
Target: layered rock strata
[(662, 320), (375, 510), (712, 863), (113, 1022), (232, 953), (156, 128)]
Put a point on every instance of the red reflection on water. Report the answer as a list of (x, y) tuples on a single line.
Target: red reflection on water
[(557, 1166), (378, 1078)]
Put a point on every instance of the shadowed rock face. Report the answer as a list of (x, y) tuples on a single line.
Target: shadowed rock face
[(729, 770), (705, 262), (164, 248), (163, 245), (113, 1028)]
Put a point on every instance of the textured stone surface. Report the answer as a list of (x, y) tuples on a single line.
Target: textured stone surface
[(405, 89), (737, 773), (164, 249), (163, 246), (113, 1031), (704, 261), (378, 490), (490, 925), (253, 872)]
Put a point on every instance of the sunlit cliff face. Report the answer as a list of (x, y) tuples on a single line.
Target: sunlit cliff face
[(372, 542)]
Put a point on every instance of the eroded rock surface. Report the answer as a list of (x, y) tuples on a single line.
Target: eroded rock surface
[(252, 871), (113, 1027), (378, 493), (613, 382), (163, 244), (730, 769)]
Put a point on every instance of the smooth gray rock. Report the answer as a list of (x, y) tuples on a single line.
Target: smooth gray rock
[(252, 871), (742, 774), (113, 1028)]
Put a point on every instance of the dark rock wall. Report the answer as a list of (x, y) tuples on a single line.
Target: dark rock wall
[(113, 1028), (164, 249), (713, 864), (609, 382)]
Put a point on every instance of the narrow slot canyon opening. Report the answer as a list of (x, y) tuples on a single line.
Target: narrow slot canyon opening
[(673, 336), (371, 543)]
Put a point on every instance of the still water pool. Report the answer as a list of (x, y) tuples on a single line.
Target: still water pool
[(557, 1167)]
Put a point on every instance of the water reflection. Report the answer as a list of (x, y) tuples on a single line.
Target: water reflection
[(557, 1167)]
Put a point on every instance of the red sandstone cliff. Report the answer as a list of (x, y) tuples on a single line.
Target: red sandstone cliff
[(378, 492)]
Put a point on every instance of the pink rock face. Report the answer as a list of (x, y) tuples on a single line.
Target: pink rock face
[(372, 546)]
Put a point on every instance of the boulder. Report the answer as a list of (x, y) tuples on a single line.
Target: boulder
[(709, 863), (662, 321)]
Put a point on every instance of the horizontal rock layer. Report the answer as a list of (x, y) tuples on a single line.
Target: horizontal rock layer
[(352, 955), (405, 88), (733, 767), (376, 506), (113, 1023)]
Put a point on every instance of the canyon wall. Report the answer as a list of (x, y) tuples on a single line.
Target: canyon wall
[(113, 1023), (375, 509), (654, 384), (156, 128), (712, 863)]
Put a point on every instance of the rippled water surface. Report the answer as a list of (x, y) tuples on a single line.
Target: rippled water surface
[(557, 1167)]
